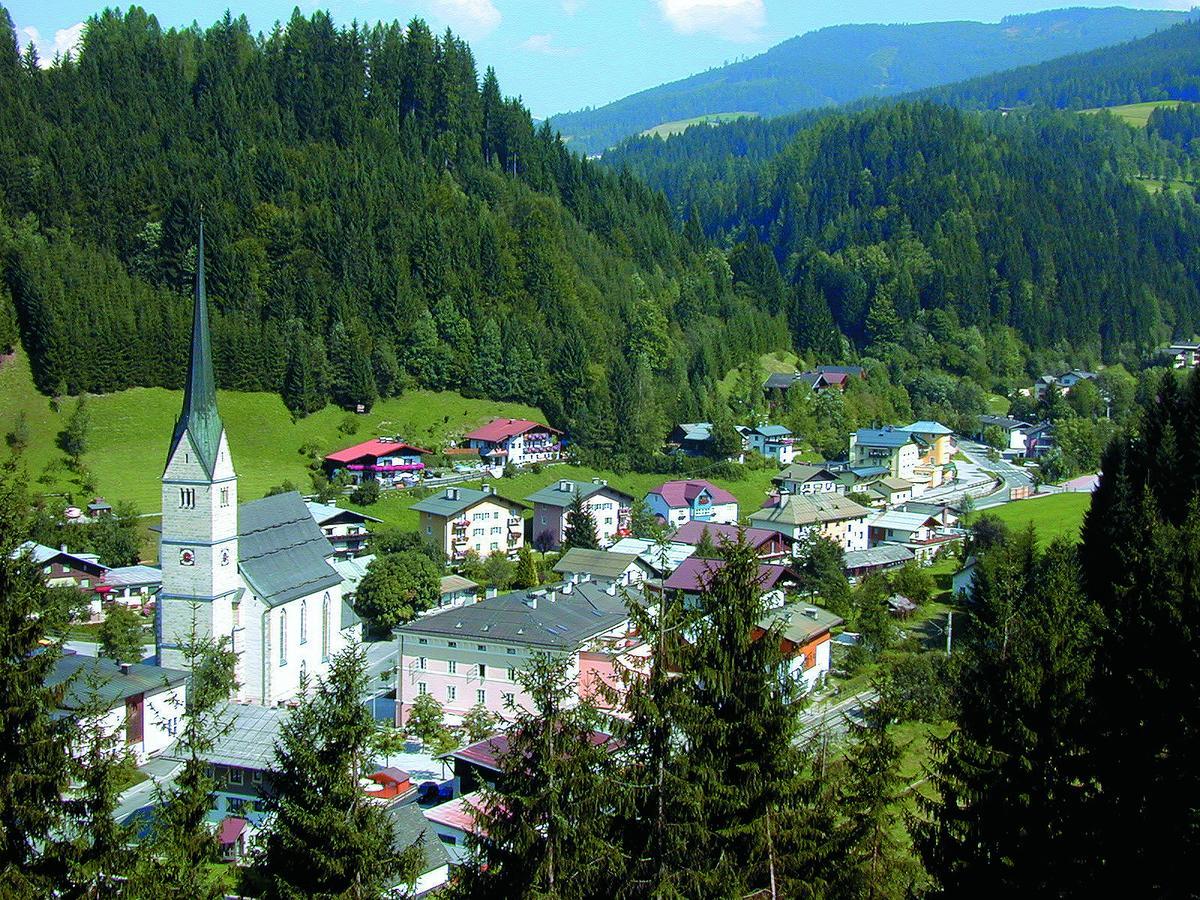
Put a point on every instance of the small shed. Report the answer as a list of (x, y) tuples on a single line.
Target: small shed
[(393, 782), (900, 606)]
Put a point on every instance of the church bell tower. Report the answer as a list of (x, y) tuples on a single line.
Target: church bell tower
[(198, 550)]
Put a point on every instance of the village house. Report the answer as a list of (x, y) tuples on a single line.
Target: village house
[(462, 520), (454, 821), (1015, 432), (134, 586), (1181, 355), (819, 379), (694, 574), (805, 639), (806, 478), (1061, 383), (658, 559), (61, 568), (1039, 440), (470, 656), (516, 441), (858, 479), (918, 532), (691, 438), (608, 506), (679, 502), (938, 441), (139, 706), (875, 560), (601, 567), (410, 827), (946, 514), (242, 764), (258, 572), (772, 441), (893, 491), (831, 516), (767, 545), (897, 450), (386, 460), (455, 591), (345, 529)]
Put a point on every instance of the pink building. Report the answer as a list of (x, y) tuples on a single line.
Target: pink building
[(471, 655)]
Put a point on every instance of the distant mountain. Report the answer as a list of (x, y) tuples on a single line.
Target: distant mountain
[(849, 62)]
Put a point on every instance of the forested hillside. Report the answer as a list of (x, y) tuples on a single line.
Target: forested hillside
[(1032, 222), (377, 215), (847, 62)]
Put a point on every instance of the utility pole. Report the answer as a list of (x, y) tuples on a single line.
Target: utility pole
[(949, 630)]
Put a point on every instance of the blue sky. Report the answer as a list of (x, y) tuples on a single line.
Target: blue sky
[(565, 54)]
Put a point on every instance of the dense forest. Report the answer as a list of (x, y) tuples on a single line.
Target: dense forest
[(377, 215), (844, 63)]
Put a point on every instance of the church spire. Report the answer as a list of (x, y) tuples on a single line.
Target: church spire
[(199, 417)]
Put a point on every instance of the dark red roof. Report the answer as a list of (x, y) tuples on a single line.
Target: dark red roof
[(488, 752), (694, 574), (682, 493), (231, 829), (691, 532), (501, 429), (374, 448), (390, 774)]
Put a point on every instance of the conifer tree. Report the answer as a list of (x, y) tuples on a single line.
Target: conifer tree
[(326, 838), (528, 575), (33, 743), (544, 831), (121, 636), (580, 530)]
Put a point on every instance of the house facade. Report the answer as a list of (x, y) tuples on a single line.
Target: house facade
[(386, 460), (608, 506), (462, 520), (805, 639), (772, 441), (679, 502), (803, 478), (345, 529), (692, 438), (61, 568), (831, 516), (470, 656), (258, 573), (516, 441), (895, 449), (134, 586), (938, 442)]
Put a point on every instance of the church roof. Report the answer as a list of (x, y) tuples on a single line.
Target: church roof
[(199, 417), (281, 551)]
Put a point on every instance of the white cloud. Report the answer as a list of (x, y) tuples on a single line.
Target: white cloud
[(66, 40), (544, 44), (737, 20), (474, 18)]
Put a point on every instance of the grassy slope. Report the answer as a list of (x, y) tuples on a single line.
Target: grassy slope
[(131, 430), (1055, 515), (666, 129), (751, 491), (1136, 114)]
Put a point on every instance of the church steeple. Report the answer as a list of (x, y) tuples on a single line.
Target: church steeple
[(199, 417)]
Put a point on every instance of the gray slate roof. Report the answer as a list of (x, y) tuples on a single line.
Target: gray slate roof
[(782, 380), (800, 622), (883, 555), (249, 742), (453, 500), (562, 623), (103, 678), (803, 472), (597, 563), (323, 512), (281, 551), (554, 495), (409, 825)]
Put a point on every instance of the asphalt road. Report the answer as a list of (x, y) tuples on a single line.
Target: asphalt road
[(833, 719), (1011, 476)]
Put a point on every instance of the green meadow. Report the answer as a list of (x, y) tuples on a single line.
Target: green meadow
[(1054, 515), (666, 129)]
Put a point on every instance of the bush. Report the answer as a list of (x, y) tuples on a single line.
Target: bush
[(349, 425), (366, 493), (918, 686)]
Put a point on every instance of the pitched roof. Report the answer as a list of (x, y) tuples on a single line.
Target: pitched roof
[(41, 554), (458, 813), (803, 472), (452, 584), (249, 742), (132, 576), (352, 570), (694, 574), (501, 429), (692, 532), (489, 752), (199, 417), (799, 623), (324, 512), (926, 426), (409, 826), (693, 431), (561, 617), (453, 500), (597, 563), (900, 521), (841, 370), (810, 509), (771, 430), (282, 553), (883, 437), (883, 555), (88, 676), (780, 380), (1006, 422), (554, 495), (376, 447), (893, 483), (651, 554), (682, 493)]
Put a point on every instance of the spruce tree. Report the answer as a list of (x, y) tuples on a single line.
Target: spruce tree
[(326, 839), (33, 743), (528, 574), (580, 530)]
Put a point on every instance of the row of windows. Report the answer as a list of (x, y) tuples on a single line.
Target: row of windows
[(482, 648), (452, 668), (187, 497), (324, 624), (452, 694)]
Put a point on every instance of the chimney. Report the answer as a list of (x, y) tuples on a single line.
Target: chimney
[(603, 482), (124, 668), (62, 547), (552, 596), (487, 488), (611, 590), (531, 599), (811, 612), (452, 493), (489, 593), (569, 586)]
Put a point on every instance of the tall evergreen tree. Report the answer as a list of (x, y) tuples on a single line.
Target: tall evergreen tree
[(580, 528)]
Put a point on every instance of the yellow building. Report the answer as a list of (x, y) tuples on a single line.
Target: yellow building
[(462, 520)]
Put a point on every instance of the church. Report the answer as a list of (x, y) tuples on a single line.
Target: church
[(257, 573)]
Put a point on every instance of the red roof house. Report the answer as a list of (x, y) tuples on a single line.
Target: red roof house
[(767, 544), (395, 782), (693, 575), (516, 441), (385, 459)]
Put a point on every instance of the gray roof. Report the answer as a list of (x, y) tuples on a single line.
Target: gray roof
[(559, 621), (349, 616), (41, 554), (453, 500), (1006, 422), (352, 570), (809, 509), (926, 426), (899, 521), (554, 495), (803, 472), (409, 825), (800, 622), (323, 512), (883, 437), (694, 431), (782, 380), (89, 676), (597, 563), (133, 576), (652, 555), (883, 555), (281, 551), (249, 741)]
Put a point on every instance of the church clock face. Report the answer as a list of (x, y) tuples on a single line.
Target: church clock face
[(225, 556), (187, 557)]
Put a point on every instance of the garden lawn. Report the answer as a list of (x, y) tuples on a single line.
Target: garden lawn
[(1052, 515), (130, 432)]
